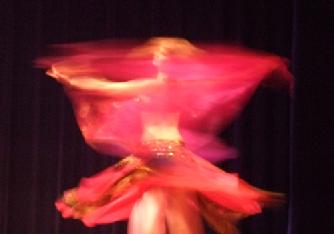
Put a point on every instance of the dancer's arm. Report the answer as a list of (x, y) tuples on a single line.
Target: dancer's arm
[(105, 87)]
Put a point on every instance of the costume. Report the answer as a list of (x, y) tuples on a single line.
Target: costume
[(159, 105)]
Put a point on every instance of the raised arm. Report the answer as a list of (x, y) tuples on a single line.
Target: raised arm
[(106, 87)]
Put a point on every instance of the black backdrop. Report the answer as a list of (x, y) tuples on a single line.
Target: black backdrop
[(283, 142)]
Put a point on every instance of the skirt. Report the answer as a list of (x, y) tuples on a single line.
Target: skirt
[(165, 188)]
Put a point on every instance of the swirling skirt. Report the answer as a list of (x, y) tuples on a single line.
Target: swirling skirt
[(171, 193)]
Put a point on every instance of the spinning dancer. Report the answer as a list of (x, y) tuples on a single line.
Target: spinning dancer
[(159, 106)]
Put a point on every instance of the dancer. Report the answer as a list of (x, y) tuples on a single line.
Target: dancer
[(159, 106)]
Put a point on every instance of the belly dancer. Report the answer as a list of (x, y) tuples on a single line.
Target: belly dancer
[(159, 106)]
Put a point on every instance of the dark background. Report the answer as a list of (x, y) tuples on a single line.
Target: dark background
[(285, 143)]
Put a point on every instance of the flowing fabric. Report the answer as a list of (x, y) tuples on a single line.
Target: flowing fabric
[(163, 102), (133, 189)]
